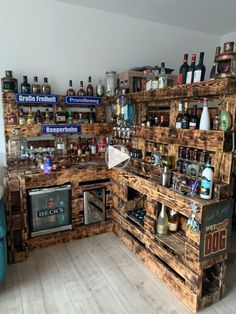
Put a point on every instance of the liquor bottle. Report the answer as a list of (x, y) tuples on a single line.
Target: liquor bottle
[(179, 117), (9, 83), (173, 220), (25, 86), (162, 82), (126, 87), (214, 67), (123, 102), (203, 159), (207, 181), (80, 120), (165, 177), (87, 148), (90, 89), (60, 116), (70, 91), (191, 69), (61, 145), (205, 119), (100, 90), (38, 118), (200, 69), (183, 71), (36, 87), (46, 88), (70, 117), (30, 117), (194, 167), (79, 147), (162, 221), (81, 91), (186, 162), (216, 122), (179, 163), (47, 117), (185, 118), (93, 147), (91, 118), (22, 119), (193, 119)]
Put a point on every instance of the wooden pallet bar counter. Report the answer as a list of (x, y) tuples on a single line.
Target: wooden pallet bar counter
[(191, 263)]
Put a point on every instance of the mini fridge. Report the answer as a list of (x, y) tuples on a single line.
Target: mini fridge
[(50, 209)]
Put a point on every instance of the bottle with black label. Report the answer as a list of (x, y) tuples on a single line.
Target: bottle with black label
[(200, 69), (193, 119), (183, 71), (36, 87), (193, 168), (207, 181), (46, 88), (191, 69), (185, 118), (25, 86), (60, 116)]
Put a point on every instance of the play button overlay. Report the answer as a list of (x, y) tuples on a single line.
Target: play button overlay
[(117, 156)]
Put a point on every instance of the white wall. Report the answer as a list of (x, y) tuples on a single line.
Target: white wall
[(63, 41), (228, 37)]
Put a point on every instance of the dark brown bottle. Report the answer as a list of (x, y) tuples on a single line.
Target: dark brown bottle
[(193, 119), (36, 87), (185, 119), (46, 88), (60, 116), (191, 69), (90, 89), (179, 163), (81, 91), (38, 118), (70, 91), (183, 71)]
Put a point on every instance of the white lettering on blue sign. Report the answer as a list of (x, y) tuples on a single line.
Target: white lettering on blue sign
[(55, 129), (83, 100), (36, 99)]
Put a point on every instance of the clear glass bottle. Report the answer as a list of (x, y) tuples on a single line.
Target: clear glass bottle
[(9, 83), (193, 168), (25, 86), (162, 221), (61, 145), (173, 220), (46, 88), (100, 90), (165, 177), (162, 81), (110, 83), (70, 91), (36, 87)]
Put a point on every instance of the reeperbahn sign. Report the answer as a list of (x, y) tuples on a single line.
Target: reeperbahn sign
[(36, 99), (60, 129), (83, 100)]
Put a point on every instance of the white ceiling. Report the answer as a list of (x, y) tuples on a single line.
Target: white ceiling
[(208, 16)]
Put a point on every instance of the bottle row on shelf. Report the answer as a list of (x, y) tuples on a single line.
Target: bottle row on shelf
[(60, 116)]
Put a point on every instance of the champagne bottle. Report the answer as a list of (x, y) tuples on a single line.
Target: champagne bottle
[(162, 221), (205, 119), (183, 71)]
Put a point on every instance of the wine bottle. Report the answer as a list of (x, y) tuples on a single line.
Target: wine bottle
[(191, 69), (179, 117), (90, 89), (205, 119), (214, 67), (70, 91), (183, 71), (207, 181), (193, 119), (81, 91), (200, 69), (185, 118), (162, 221)]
